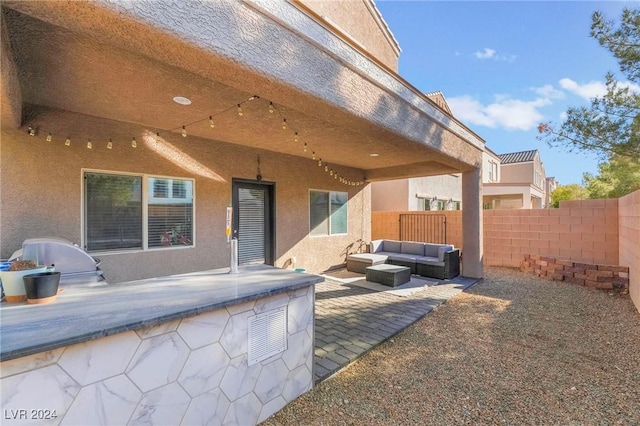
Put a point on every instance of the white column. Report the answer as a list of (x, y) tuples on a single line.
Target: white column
[(472, 224)]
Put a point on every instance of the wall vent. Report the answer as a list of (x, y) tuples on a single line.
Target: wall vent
[(267, 334)]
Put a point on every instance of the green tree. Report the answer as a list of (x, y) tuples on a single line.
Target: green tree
[(617, 177), (567, 192), (611, 124)]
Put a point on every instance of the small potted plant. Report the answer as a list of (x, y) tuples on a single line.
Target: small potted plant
[(41, 287), (12, 280)]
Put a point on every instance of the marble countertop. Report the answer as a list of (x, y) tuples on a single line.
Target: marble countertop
[(85, 313)]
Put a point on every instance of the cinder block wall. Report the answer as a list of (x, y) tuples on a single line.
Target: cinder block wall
[(629, 226), (580, 231)]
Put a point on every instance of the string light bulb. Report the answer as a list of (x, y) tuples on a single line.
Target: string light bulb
[(284, 124), (313, 155), (295, 137), (49, 137), (331, 172), (68, 141), (240, 112), (89, 144), (320, 162), (184, 132), (31, 130), (134, 144), (110, 144), (326, 168), (305, 147), (271, 108), (211, 123), (335, 176), (157, 138)]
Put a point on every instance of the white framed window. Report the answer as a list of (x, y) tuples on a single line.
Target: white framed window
[(493, 171), (328, 212), (136, 212)]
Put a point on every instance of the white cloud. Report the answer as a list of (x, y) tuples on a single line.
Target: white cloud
[(588, 90), (511, 114), (485, 54), (549, 92)]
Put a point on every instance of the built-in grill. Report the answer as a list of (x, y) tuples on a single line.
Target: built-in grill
[(74, 264)]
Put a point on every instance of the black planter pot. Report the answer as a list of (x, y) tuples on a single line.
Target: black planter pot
[(42, 287)]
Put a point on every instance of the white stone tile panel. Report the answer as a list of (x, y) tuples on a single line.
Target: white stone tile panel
[(210, 408), (48, 388), (271, 381), (242, 307), (204, 369), (239, 378), (300, 314), (234, 338), (109, 402), (298, 382), (96, 360), (299, 292), (158, 329), (163, 406), (203, 329), (28, 363), (270, 303), (299, 350), (271, 407), (244, 411), (158, 361)]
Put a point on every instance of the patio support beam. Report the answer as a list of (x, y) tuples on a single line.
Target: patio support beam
[(472, 255)]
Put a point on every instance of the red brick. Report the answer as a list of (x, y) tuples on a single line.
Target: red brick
[(590, 283), (575, 281), (605, 285), (564, 262)]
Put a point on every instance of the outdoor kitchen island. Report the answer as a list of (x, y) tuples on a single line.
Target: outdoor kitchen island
[(199, 348)]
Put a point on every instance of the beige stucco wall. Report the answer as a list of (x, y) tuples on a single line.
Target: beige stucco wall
[(629, 226), (516, 173), (41, 193), (357, 20), (390, 195)]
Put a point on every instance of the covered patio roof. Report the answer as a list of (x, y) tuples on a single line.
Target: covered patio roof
[(126, 61)]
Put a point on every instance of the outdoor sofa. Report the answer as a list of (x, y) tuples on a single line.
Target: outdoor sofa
[(440, 261)]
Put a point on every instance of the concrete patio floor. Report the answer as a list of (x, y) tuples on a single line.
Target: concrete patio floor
[(352, 315)]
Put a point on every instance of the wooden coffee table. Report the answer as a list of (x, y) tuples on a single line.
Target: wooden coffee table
[(390, 275)]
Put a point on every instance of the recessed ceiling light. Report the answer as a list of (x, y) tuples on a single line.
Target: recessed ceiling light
[(182, 100), (374, 155)]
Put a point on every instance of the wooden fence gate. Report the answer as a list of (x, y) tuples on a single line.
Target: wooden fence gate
[(424, 228)]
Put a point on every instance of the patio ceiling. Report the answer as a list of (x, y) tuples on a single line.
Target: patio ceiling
[(83, 68)]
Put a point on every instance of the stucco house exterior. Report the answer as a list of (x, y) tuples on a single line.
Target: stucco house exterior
[(522, 183), (294, 108)]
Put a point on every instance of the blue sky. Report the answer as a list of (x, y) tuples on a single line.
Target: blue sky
[(506, 66)]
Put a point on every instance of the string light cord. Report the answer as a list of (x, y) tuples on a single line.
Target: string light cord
[(286, 125)]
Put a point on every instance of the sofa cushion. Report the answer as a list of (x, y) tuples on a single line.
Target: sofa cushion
[(408, 247), (403, 257), (442, 250), (431, 249), (391, 246), (428, 260), (433, 261), (367, 258)]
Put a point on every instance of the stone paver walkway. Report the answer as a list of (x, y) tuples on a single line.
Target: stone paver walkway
[(350, 320)]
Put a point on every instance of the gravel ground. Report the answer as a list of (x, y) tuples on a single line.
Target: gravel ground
[(513, 349)]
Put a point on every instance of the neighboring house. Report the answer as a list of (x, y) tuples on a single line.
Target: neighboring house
[(550, 185), (521, 183), (130, 128)]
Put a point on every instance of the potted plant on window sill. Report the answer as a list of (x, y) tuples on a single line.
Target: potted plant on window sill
[(12, 280)]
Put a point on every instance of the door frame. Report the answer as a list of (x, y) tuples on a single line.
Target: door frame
[(270, 214)]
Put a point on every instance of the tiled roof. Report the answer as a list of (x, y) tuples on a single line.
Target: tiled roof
[(518, 157)]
